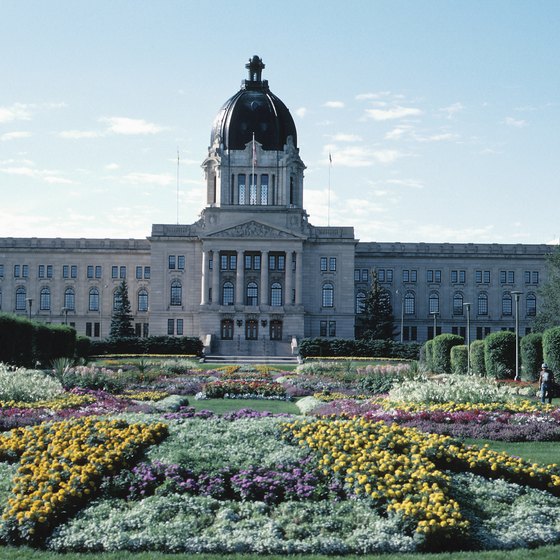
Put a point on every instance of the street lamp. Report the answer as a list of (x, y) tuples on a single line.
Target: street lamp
[(435, 314), (30, 304), (468, 337), (516, 295)]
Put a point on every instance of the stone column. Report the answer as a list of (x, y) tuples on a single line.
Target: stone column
[(215, 273), (264, 278), (204, 277), (288, 275), (299, 277), (239, 280)]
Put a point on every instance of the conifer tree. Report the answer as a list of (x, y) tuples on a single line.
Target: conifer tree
[(121, 319), (548, 314), (377, 321)]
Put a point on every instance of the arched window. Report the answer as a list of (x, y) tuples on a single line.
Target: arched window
[(276, 294), (45, 299), (93, 300), (176, 293), (328, 295), (506, 304), (21, 295), (227, 293), (252, 294), (227, 329), (409, 303), (531, 305), (70, 299), (433, 302), (482, 304), (360, 302), (457, 303), (143, 300)]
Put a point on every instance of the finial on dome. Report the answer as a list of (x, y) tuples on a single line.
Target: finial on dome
[(255, 67)]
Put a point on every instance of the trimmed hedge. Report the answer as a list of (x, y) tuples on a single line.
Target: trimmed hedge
[(429, 354), (531, 356), (441, 349), (148, 345), (499, 355), (24, 342), (459, 361), (331, 347), (478, 366), (551, 349)]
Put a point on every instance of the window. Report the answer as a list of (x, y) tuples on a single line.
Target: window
[(171, 262), (482, 276), (226, 329), (409, 303), (41, 271), (507, 277), (506, 304), (433, 302), (527, 276), (482, 332), (328, 295), (1, 271), (143, 300), (264, 189), (98, 271), (25, 270), (365, 274), (180, 327), (65, 271), (45, 299), (278, 262), (410, 333), (228, 261), (323, 328), (241, 182), (252, 189), (482, 304), (69, 299), (251, 329), (461, 331), (122, 272), (535, 277), (360, 302), (17, 270), (138, 273), (332, 264), (114, 272), (93, 299), (332, 328), (252, 294), (531, 305), (227, 293), (252, 261), (381, 275), (21, 303), (458, 304), (170, 327), (406, 275), (531, 277), (73, 271), (276, 294), (458, 276), (88, 329), (181, 262), (176, 293), (275, 329), (147, 272), (90, 271), (433, 276), (323, 264), (357, 275)]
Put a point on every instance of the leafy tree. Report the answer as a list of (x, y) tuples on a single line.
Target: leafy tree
[(377, 321), (121, 319), (548, 314)]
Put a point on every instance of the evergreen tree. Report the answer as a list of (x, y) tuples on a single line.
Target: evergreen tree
[(548, 314), (121, 319), (377, 320)]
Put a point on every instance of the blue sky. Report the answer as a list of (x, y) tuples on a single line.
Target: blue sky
[(442, 117)]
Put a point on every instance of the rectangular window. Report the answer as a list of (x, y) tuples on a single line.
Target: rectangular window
[(281, 262), (181, 262), (73, 271), (381, 275), (41, 272), (365, 274), (511, 277), (507, 277), (429, 276), (98, 271), (482, 332), (211, 263), (25, 270), (90, 271), (65, 271), (248, 262), (264, 189), (180, 327), (17, 270), (527, 277), (478, 276), (223, 262), (323, 264), (97, 330), (138, 273), (389, 275), (413, 275), (233, 262), (88, 329), (114, 272), (171, 262), (146, 329), (406, 275), (122, 272), (454, 276), (257, 262), (461, 331), (437, 278), (323, 328), (332, 264), (271, 262), (170, 327), (486, 277), (1, 271), (535, 277), (332, 328), (462, 276), (138, 329), (241, 188)]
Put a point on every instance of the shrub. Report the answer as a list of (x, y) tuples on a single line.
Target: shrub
[(16, 340), (499, 355), (477, 358), (148, 345), (441, 349), (429, 352), (313, 347), (459, 360), (27, 385), (551, 348), (531, 356), (83, 347)]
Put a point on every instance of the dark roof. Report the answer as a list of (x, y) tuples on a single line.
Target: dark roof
[(254, 109)]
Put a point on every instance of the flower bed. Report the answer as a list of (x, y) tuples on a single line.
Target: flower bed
[(244, 389)]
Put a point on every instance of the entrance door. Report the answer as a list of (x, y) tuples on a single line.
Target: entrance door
[(275, 330), (252, 329)]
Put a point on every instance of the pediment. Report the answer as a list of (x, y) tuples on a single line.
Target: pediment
[(253, 229)]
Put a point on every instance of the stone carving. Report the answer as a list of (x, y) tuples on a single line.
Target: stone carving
[(252, 229)]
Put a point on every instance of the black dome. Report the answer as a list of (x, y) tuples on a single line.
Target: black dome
[(254, 109)]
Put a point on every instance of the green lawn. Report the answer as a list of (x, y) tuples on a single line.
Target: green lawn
[(227, 405), (545, 452)]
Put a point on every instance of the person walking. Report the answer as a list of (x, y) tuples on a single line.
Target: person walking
[(546, 383)]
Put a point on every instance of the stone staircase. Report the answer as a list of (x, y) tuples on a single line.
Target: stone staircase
[(256, 360)]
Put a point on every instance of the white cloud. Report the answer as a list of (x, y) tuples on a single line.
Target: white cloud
[(112, 166), (47, 175), (14, 135), (397, 132), (397, 112), (15, 112), (79, 134), (334, 104), (413, 183), (124, 125), (517, 123), (301, 112), (58, 180), (452, 110), (346, 138), (386, 156), (373, 95), (162, 179), (359, 156), (437, 137)]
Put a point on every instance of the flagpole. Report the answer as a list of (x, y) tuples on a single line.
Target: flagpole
[(329, 194), (177, 185), (253, 181)]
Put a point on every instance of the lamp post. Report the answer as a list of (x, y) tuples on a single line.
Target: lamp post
[(516, 295), (468, 337), (402, 314), (30, 304), (435, 314)]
